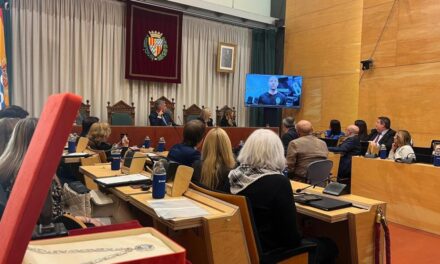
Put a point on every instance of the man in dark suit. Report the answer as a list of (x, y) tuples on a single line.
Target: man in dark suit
[(350, 147), (289, 132), (161, 116), (383, 134)]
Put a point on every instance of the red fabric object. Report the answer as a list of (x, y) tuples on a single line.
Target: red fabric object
[(154, 43), (116, 227), (34, 178)]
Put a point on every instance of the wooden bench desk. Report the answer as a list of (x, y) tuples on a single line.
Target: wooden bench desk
[(411, 190), (351, 228)]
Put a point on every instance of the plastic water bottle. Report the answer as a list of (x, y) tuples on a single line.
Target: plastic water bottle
[(116, 159), (71, 143), (436, 160), (161, 145), (383, 152), (147, 142), (159, 180)]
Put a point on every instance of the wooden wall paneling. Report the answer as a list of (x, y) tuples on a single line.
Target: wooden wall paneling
[(408, 95), (300, 7), (374, 21), (419, 34)]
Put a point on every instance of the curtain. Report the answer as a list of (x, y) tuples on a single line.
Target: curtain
[(263, 62), (79, 46)]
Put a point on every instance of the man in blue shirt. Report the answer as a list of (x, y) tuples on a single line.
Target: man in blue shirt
[(272, 97)]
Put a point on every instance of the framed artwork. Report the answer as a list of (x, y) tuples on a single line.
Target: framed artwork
[(226, 57)]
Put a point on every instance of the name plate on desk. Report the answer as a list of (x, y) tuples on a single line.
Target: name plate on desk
[(116, 181)]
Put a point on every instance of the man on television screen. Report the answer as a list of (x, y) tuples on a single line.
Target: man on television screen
[(272, 97)]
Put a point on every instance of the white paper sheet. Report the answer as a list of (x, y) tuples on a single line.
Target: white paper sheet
[(177, 208)]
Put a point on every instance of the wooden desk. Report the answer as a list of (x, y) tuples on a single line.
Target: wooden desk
[(411, 190), (351, 228), (172, 135)]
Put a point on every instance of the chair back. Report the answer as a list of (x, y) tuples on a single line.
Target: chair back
[(220, 112), (170, 104), (120, 114), (318, 171), (191, 113), (171, 170), (83, 142), (247, 219), (90, 161), (182, 180)]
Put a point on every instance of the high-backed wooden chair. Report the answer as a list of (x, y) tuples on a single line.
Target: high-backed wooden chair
[(83, 112), (298, 255), (120, 114), (170, 104), (220, 112), (191, 113)]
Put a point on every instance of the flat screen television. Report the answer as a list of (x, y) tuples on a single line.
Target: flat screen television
[(279, 91)]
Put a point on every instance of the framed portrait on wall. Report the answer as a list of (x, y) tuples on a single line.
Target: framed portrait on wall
[(226, 57)]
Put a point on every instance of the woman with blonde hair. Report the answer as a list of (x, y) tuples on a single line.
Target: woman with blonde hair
[(401, 148), (205, 116), (217, 160)]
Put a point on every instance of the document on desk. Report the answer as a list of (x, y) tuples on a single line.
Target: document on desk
[(76, 154), (122, 180), (177, 208)]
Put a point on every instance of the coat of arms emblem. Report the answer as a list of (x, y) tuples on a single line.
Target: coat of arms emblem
[(155, 46)]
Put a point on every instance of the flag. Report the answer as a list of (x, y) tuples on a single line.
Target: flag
[(4, 89), (154, 40)]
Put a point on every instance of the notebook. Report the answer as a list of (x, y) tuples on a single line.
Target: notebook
[(322, 202)]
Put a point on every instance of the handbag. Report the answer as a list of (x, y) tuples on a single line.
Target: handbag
[(76, 203)]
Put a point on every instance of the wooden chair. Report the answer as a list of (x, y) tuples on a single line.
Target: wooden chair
[(70, 222), (83, 112), (120, 114), (335, 158), (82, 144), (219, 113), (170, 104), (193, 112), (298, 255), (90, 161)]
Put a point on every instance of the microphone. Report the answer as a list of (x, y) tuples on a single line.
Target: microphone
[(298, 191), (170, 114), (180, 120)]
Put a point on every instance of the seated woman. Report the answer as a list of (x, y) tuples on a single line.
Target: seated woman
[(401, 148), (6, 127), (217, 160), (335, 131), (363, 131), (228, 119), (205, 117), (186, 153), (87, 124), (13, 156), (259, 177), (98, 136)]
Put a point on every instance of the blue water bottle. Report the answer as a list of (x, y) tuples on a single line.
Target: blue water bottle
[(383, 152), (159, 180), (147, 142), (161, 145), (436, 160), (71, 144), (116, 160)]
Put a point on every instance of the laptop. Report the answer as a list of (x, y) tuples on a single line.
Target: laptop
[(322, 202)]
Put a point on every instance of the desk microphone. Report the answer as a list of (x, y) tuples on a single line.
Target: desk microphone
[(407, 159), (313, 185)]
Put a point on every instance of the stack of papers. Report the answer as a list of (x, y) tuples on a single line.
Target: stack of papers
[(76, 154), (177, 208), (122, 180)]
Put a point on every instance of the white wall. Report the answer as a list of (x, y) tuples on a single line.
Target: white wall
[(261, 7)]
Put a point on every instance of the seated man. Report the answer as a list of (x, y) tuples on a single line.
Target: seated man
[(186, 153), (304, 150), (289, 132), (349, 148), (272, 97), (383, 134), (161, 116)]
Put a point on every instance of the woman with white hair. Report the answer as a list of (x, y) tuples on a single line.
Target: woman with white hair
[(259, 177)]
